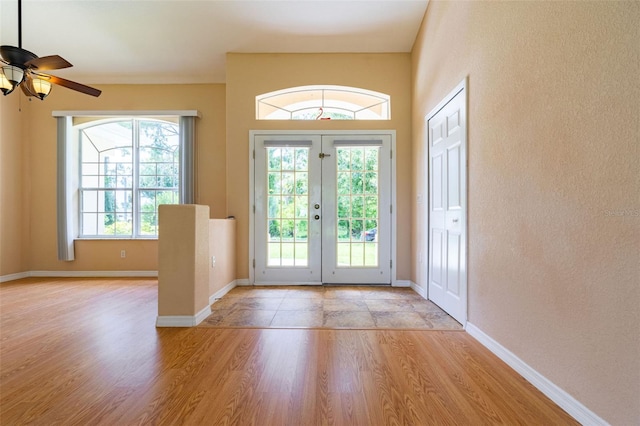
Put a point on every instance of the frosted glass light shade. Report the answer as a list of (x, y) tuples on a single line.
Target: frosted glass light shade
[(11, 77), (41, 88)]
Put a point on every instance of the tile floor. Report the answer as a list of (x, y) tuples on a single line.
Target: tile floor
[(350, 307)]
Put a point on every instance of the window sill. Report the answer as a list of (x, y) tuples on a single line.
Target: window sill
[(116, 239)]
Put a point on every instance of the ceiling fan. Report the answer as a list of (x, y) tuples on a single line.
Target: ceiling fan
[(23, 68)]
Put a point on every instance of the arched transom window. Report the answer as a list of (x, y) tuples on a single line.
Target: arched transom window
[(323, 103)]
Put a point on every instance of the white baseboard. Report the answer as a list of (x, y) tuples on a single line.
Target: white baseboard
[(402, 283), (243, 281), (420, 290), (183, 320), (93, 274), (78, 274), (568, 403), (12, 277), (224, 290)]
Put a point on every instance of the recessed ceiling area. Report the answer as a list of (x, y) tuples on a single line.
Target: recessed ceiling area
[(181, 41)]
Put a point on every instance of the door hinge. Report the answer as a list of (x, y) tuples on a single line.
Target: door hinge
[(254, 208), (322, 155), (391, 208), (254, 263), (254, 154), (391, 154), (390, 263)]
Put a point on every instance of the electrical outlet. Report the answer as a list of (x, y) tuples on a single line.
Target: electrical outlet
[(213, 261), (123, 253)]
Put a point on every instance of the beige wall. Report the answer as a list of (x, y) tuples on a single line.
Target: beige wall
[(39, 178), (222, 245), (249, 75), (554, 226), (183, 274), (13, 223)]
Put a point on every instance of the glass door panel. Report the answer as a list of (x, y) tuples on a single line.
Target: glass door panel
[(356, 222), (285, 236)]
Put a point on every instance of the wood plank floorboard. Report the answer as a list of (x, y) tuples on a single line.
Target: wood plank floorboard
[(87, 352)]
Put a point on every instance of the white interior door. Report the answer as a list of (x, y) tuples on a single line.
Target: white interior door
[(448, 204), (322, 209)]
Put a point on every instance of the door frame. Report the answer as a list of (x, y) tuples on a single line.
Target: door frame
[(252, 136), (462, 86)]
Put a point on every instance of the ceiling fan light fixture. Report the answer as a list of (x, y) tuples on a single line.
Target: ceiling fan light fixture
[(11, 77), (40, 88), (5, 85)]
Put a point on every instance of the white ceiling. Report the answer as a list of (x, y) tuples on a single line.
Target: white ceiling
[(181, 41)]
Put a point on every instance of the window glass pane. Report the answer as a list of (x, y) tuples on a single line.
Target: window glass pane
[(371, 254), (357, 185), (344, 254), (288, 207), (274, 206), (344, 206), (273, 258), (357, 159), (90, 201), (274, 230), (274, 159), (288, 183), (357, 254), (287, 254), (302, 206), (288, 159), (357, 206), (302, 159), (287, 230), (90, 224)]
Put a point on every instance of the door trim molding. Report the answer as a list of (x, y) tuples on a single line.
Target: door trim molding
[(252, 136)]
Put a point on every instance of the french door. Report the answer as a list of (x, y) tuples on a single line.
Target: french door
[(322, 209)]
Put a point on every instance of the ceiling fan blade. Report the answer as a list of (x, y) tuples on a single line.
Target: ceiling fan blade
[(53, 62), (25, 90), (72, 85)]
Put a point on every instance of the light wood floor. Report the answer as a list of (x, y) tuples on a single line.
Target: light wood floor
[(86, 352)]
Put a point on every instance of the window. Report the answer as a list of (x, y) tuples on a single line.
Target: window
[(323, 103), (128, 167), (114, 168)]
